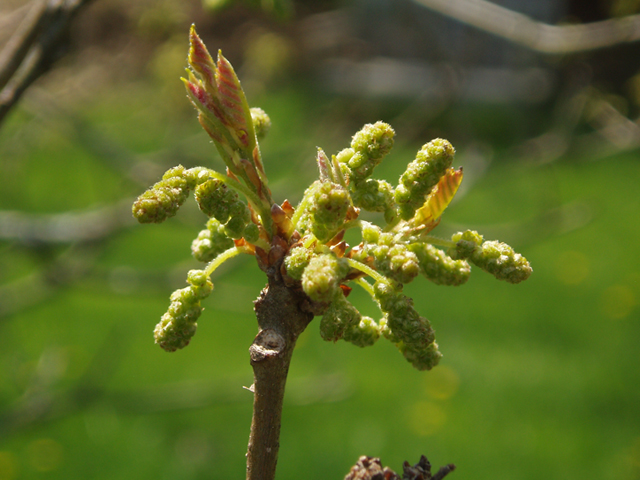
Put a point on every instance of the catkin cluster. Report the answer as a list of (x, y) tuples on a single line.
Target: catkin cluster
[(308, 244), (395, 253)]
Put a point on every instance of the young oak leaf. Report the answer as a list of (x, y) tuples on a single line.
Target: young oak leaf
[(438, 200)]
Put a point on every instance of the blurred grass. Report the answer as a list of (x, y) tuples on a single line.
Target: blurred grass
[(538, 380)]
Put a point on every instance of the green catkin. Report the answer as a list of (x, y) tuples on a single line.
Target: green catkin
[(322, 276), (297, 261), (466, 243), (496, 258), (422, 175), (403, 325), (422, 359), (438, 267), (251, 232), (369, 147), (363, 334), (328, 204), (392, 256), (210, 242), (394, 260), (339, 317), (501, 261), (164, 198), (216, 199), (178, 325), (372, 195)]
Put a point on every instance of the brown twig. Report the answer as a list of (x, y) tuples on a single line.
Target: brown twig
[(281, 320)]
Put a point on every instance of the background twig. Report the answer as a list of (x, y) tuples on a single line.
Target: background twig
[(538, 36), (34, 47)]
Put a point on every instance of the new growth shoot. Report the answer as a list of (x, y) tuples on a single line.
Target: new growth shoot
[(306, 242)]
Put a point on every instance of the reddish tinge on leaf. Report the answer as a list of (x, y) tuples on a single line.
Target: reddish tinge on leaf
[(200, 59), (439, 198)]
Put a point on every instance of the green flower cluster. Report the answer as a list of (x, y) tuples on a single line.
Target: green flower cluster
[(296, 262), (496, 258), (164, 198), (392, 259), (403, 325), (178, 325), (261, 122), (393, 255), (327, 206), (402, 259), (307, 244), (439, 267), (343, 321), (217, 200), (322, 276), (368, 147), (422, 175), (211, 242)]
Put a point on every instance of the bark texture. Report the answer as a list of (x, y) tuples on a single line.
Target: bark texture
[(281, 318)]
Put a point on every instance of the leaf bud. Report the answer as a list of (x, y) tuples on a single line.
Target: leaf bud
[(261, 122)]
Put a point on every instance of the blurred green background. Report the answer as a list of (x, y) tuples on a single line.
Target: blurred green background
[(539, 380)]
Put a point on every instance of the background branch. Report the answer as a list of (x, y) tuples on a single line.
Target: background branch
[(538, 36), (35, 45)]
